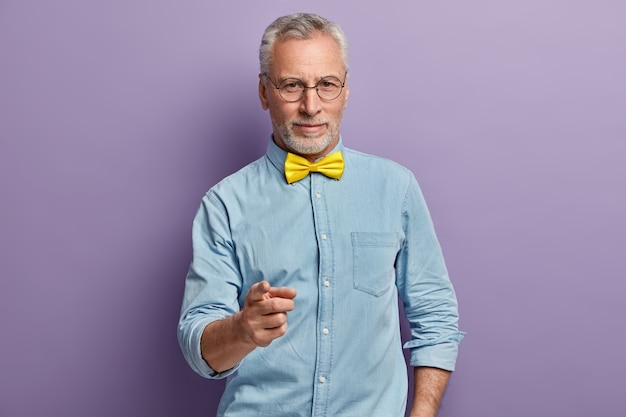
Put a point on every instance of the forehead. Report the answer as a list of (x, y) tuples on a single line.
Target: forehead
[(307, 58)]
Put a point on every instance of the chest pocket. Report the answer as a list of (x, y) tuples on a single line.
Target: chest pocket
[(374, 255)]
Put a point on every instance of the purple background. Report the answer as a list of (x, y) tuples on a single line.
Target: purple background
[(116, 117)]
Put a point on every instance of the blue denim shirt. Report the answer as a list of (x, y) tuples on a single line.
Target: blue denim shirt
[(349, 247)]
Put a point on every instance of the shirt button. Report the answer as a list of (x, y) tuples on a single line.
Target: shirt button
[(322, 379), (327, 283), (325, 331), (324, 236), (318, 195)]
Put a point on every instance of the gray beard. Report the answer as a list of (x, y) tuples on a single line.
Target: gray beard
[(306, 146)]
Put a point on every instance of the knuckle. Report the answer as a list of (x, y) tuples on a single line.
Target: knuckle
[(275, 304)]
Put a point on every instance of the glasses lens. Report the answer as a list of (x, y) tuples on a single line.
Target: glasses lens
[(329, 88), (291, 89)]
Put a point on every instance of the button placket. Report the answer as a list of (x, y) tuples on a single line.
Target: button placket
[(323, 367)]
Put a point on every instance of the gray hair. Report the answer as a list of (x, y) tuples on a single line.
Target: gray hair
[(299, 26)]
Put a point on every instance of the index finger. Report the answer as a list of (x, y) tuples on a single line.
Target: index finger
[(283, 292)]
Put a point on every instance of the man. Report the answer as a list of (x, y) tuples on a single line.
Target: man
[(347, 235)]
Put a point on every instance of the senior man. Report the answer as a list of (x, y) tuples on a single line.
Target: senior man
[(347, 232)]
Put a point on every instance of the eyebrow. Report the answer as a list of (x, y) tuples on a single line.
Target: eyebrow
[(280, 80)]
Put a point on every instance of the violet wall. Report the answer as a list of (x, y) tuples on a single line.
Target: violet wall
[(116, 117)]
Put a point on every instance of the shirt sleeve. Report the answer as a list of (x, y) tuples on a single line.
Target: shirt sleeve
[(430, 303), (212, 285)]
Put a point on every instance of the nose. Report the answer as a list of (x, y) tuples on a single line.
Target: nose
[(310, 104)]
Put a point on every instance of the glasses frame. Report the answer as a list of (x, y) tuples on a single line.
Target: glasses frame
[(305, 87)]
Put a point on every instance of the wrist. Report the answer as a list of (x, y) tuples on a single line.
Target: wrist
[(242, 332)]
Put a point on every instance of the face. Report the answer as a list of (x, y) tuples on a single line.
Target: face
[(308, 127)]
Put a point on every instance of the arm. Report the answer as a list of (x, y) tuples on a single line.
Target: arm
[(215, 325), (262, 319), (429, 386), (430, 306)]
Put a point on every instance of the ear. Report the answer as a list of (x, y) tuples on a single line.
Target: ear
[(346, 91), (263, 93)]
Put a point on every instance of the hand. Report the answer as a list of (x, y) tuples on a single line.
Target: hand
[(264, 314)]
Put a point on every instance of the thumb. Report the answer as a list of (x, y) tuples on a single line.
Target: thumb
[(258, 291)]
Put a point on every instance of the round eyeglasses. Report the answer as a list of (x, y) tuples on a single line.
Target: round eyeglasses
[(292, 89)]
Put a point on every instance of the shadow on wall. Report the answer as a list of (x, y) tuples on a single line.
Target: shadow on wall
[(239, 129)]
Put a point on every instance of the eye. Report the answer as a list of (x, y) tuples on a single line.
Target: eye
[(291, 85), (330, 83)]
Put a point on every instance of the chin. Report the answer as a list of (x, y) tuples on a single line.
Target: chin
[(308, 147)]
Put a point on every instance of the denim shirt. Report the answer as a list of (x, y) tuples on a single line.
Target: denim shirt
[(350, 248)]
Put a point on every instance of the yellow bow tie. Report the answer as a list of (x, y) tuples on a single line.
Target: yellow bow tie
[(297, 167)]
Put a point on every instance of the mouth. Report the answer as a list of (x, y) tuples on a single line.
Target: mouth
[(310, 128)]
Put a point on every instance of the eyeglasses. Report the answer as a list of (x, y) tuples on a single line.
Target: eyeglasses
[(292, 89)]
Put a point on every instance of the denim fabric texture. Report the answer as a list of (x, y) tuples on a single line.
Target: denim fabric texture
[(352, 248)]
